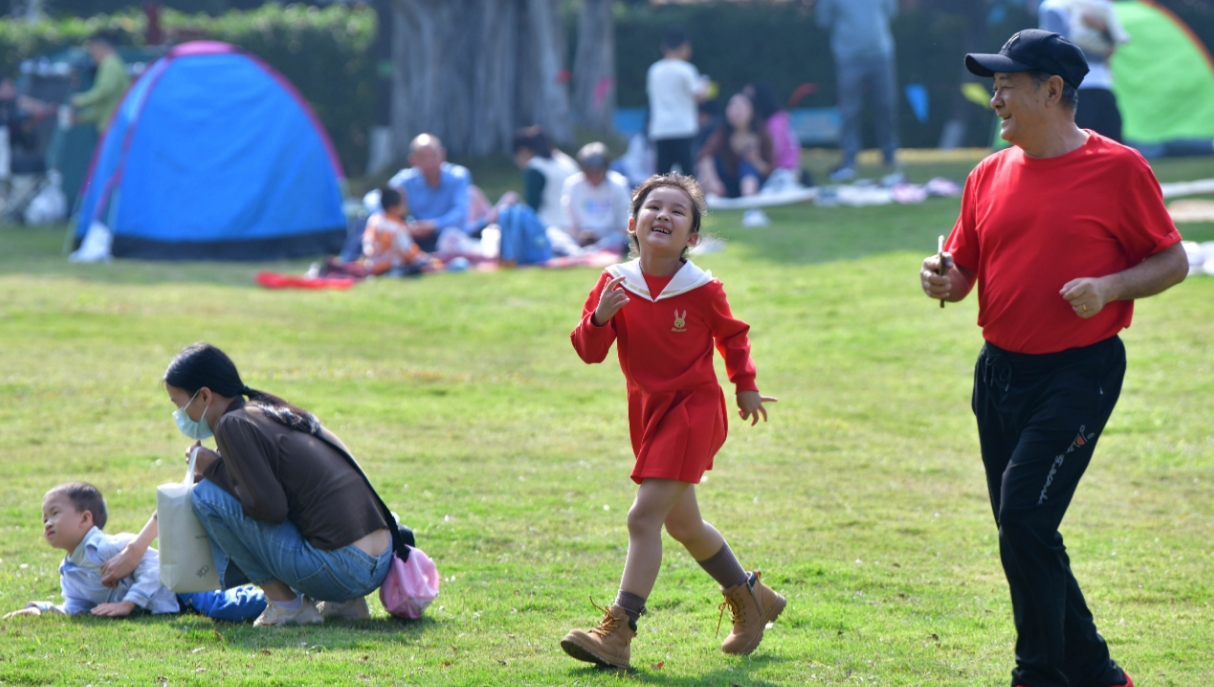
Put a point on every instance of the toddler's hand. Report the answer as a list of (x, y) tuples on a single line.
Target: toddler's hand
[(750, 406), (613, 298), (114, 610), (32, 610)]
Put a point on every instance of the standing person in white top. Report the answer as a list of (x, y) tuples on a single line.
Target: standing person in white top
[(1093, 26), (675, 87), (597, 202)]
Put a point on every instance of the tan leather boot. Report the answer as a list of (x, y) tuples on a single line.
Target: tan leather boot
[(609, 644), (751, 606)]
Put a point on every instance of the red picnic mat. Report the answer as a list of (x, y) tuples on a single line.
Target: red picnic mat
[(277, 280)]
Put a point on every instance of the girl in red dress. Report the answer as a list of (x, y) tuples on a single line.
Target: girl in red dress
[(666, 315)]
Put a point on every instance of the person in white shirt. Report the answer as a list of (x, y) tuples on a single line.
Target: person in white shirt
[(674, 87), (597, 202), (1092, 25)]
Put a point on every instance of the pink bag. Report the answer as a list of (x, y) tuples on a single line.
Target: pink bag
[(410, 585)]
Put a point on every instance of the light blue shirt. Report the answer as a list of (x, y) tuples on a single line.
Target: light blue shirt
[(446, 205), (80, 578), (858, 28)]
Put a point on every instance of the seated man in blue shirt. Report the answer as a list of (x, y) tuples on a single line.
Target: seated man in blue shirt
[(436, 192)]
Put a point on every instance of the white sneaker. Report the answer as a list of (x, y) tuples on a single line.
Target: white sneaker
[(275, 615), (354, 609)]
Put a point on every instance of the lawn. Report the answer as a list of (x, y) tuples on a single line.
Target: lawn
[(862, 500)]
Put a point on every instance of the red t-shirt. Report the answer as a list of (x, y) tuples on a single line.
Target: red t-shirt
[(1030, 225)]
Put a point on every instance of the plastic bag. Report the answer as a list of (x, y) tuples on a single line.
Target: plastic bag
[(410, 585), (186, 561)]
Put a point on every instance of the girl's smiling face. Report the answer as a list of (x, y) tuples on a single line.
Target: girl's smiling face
[(663, 224)]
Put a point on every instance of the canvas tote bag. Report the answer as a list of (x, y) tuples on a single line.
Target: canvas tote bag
[(186, 561)]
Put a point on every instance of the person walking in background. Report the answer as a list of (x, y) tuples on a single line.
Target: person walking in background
[(674, 87), (1093, 26), (99, 102), (864, 57)]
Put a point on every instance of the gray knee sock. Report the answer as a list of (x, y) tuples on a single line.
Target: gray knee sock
[(632, 604), (724, 568)]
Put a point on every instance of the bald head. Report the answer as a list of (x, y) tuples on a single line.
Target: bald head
[(429, 141), (427, 154)]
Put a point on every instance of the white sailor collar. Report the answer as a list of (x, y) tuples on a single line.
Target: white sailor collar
[(688, 278)]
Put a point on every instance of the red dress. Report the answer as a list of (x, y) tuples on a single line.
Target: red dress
[(676, 409)]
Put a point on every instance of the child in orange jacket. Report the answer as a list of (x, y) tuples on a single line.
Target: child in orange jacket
[(666, 315)]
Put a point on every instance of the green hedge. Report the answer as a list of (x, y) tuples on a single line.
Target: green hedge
[(326, 53)]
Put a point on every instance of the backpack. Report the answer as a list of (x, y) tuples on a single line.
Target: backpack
[(524, 236)]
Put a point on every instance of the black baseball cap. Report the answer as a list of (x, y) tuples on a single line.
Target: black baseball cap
[(1033, 50)]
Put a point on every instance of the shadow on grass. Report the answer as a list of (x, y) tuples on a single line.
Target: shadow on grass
[(737, 676), (338, 635)]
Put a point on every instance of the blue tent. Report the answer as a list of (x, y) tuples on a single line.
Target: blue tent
[(213, 155)]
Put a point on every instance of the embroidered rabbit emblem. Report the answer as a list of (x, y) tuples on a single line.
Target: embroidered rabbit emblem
[(680, 321)]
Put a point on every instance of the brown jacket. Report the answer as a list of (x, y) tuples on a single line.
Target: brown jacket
[(278, 474)]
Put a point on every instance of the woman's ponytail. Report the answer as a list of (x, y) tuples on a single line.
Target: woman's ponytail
[(282, 412), (202, 364)]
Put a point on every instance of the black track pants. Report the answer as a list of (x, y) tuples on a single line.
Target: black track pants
[(1039, 417)]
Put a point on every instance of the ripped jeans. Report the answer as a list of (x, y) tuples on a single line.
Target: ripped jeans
[(1039, 417)]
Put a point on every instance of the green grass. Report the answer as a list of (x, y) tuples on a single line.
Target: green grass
[(862, 500)]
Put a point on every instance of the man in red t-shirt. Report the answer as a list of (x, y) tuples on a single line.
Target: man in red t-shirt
[(1061, 232)]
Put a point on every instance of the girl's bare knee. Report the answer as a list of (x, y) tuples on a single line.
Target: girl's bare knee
[(684, 532), (641, 522)]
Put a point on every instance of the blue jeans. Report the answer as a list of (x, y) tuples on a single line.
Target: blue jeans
[(248, 550), (878, 74)]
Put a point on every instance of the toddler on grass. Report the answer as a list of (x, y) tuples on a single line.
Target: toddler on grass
[(666, 315), (73, 515)]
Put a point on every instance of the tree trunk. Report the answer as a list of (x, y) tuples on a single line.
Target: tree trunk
[(473, 71), (594, 68)]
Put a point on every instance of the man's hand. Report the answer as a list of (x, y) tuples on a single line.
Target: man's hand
[(612, 299), (1087, 295), (32, 610), (937, 286), (119, 609), (750, 406)]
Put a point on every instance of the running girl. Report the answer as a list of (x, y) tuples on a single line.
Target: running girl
[(667, 314)]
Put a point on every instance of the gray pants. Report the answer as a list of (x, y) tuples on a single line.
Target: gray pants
[(878, 74)]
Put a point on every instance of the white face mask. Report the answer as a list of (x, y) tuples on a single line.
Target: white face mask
[(194, 429)]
